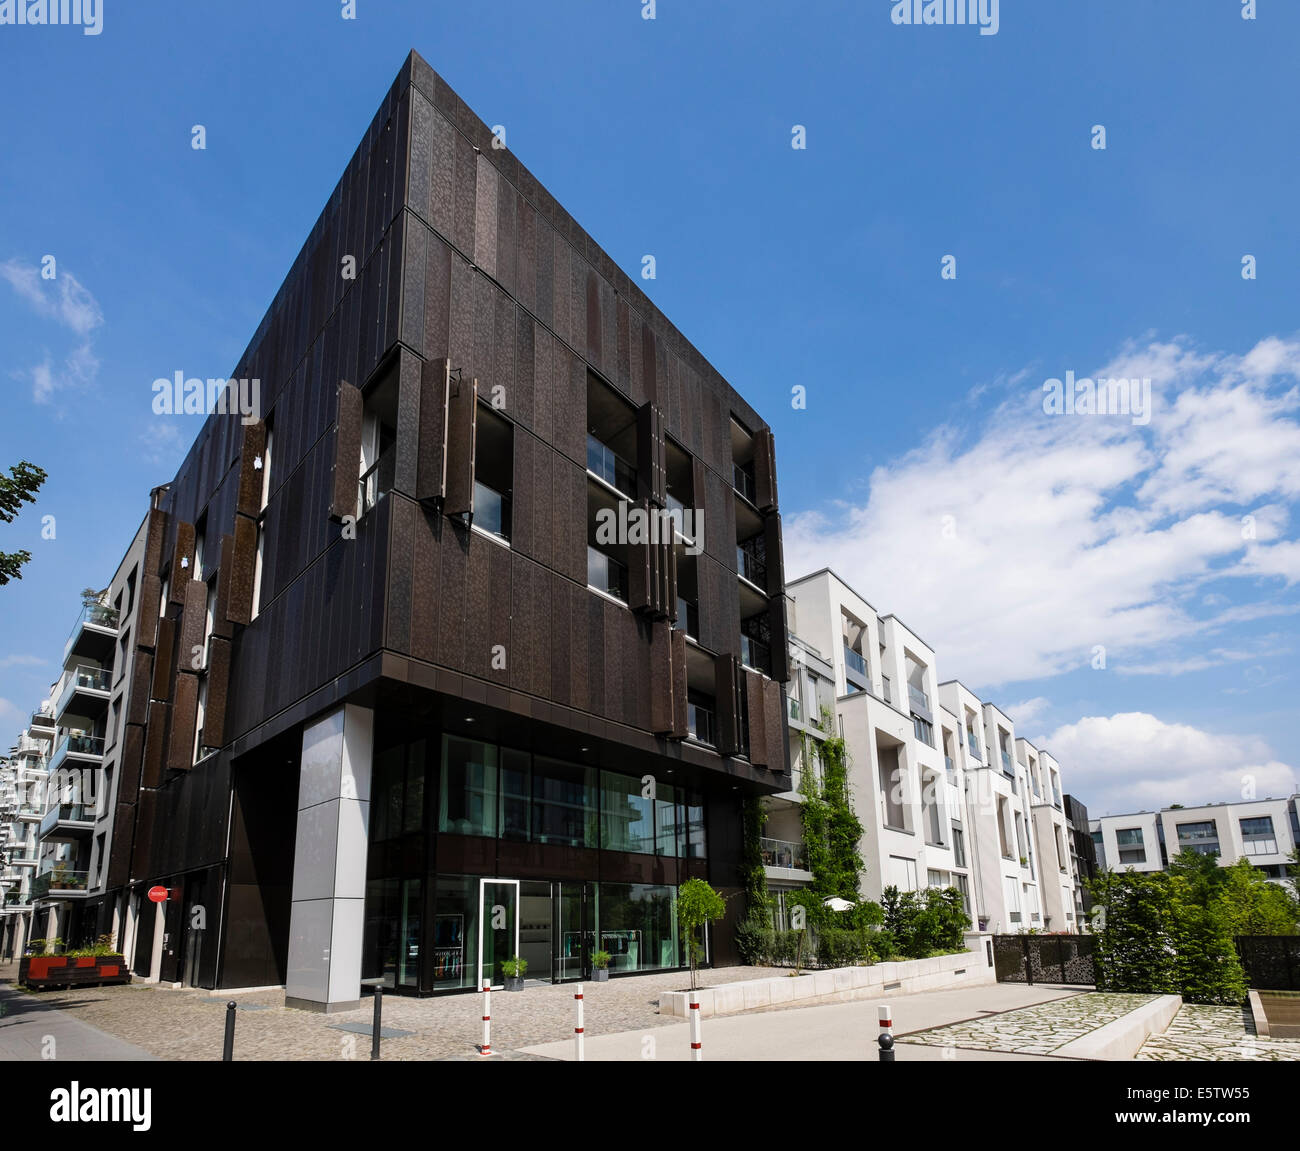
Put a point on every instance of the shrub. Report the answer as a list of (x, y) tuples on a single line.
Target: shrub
[(754, 943)]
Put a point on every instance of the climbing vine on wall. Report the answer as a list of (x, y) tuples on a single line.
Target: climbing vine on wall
[(831, 830)]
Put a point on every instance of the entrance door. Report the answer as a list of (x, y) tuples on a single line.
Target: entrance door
[(573, 933), (498, 927)]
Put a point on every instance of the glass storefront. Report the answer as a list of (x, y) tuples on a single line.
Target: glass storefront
[(433, 932)]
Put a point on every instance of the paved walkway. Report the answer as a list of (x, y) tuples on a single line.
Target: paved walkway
[(834, 1031), (1218, 1034), (33, 1030)]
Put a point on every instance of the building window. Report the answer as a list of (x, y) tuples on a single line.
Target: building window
[(566, 804), (1202, 837), (1130, 843), (923, 729), (493, 473), (902, 873), (378, 444), (958, 845), (935, 879), (261, 525), (892, 810), (1259, 836)]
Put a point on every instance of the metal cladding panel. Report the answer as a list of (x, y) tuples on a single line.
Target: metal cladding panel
[(346, 470), (526, 260), (119, 857), (452, 604), (774, 721), (758, 748), (523, 495), (679, 684), (764, 470), (661, 678), (650, 367), (182, 562), (401, 549), (425, 582), (221, 625), (409, 388), (180, 746), (502, 392), (522, 382), (155, 745), (214, 710), (437, 297), (193, 619), (543, 383), (545, 248), (569, 484), (239, 607), (146, 618), (164, 659), (462, 427), (141, 852), (415, 269), (593, 643), (249, 501), (720, 519), (130, 763), (652, 459), (561, 290), (508, 201), (465, 195), (773, 553), (727, 672), (595, 330), (435, 387), (559, 616), (155, 538), (780, 639), (486, 216)]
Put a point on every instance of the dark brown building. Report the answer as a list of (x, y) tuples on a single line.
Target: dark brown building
[(420, 694)]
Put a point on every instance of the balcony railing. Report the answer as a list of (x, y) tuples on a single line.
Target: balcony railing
[(918, 698), (606, 574), (1006, 764), (59, 879), (887, 689), (688, 617), (491, 510), (795, 708), (95, 614), (950, 769), (783, 853), (377, 480), (755, 653), (743, 482), (79, 745), (972, 745), (606, 463), (699, 723), (751, 567), (855, 660), (85, 677), (677, 512)]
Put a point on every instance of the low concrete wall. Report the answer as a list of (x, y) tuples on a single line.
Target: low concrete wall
[(966, 969), (1122, 1038), (1257, 1013)]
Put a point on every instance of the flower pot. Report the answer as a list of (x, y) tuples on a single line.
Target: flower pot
[(514, 982), (600, 974)]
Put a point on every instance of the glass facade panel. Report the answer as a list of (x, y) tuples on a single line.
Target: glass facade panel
[(637, 925), (565, 809), (626, 816), (455, 933), (516, 795), (698, 848), (467, 801)]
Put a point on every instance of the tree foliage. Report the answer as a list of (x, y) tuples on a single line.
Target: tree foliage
[(17, 488), (697, 904)]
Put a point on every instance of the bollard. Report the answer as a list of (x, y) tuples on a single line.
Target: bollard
[(886, 1037), (578, 1031), (486, 1049), (228, 1051), (697, 1044), (376, 1031)]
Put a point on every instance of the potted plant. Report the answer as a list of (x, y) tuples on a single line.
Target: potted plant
[(600, 966), (514, 969)]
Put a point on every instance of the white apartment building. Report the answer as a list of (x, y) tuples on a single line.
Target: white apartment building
[(946, 793), (22, 803), (1264, 831)]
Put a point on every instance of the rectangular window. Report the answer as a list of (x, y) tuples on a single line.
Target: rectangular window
[(638, 926), (494, 461), (516, 795), (891, 789), (467, 801), (923, 729), (902, 873), (1259, 836), (935, 878), (626, 816), (963, 885), (566, 808), (958, 846)]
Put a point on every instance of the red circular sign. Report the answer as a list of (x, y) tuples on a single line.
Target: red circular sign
[(158, 894)]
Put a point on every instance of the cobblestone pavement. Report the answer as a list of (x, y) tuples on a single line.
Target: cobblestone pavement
[(189, 1024), (1038, 1030), (1218, 1034)]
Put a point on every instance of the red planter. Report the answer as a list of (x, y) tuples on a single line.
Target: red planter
[(40, 972)]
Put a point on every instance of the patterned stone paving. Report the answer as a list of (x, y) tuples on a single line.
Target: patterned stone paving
[(1218, 1034), (1038, 1030)]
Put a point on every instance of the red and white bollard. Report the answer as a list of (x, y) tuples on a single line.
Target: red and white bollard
[(886, 1036), (697, 1044), (486, 1049), (578, 1031)]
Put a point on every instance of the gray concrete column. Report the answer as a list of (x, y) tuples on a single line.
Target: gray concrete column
[(329, 863)]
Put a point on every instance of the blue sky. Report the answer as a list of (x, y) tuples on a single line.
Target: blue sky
[(923, 467)]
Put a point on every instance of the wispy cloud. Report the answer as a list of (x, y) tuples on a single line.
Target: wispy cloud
[(162, 443), (22, 661), (67, 302)]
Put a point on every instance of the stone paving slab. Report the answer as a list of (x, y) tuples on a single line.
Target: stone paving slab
[(1216, 1034), (1038, 1030)]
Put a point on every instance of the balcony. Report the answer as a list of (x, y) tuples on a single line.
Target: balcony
[(918, 698), (950, 769), (972, 745), (755, 653), (887, 689), (93, 634), (82, 748), (688, 617), (1007, 769), (743, 482), (606, 574), (67, 822), (86, 692), (606, 464), (751, 567), (699, 723), (794, 708), (60, 881), (782, 853), (855, 661), (377, 480)]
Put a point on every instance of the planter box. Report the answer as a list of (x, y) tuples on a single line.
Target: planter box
[(40, 972)]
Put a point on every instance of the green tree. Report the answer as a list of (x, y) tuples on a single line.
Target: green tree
[(697, 904), (1203, 874), (17, 488), (1250, 905)]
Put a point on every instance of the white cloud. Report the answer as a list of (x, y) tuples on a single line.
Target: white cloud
[(22, 661), (1037, 538), (162, 443), (66, 301), (1028, 710), (1133, 761)]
